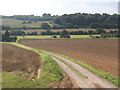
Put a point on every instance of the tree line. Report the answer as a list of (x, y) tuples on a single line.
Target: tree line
[(49, 32), (11, 36), (83, 20), (7, 38), (71, 21), (44, 17)]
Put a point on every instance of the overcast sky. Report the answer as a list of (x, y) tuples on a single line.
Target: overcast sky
[(57, 7)]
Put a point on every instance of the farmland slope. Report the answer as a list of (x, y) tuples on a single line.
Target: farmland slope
[(26, 63), (99, 53), (20, 62)]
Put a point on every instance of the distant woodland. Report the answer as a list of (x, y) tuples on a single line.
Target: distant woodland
[(71, 21)]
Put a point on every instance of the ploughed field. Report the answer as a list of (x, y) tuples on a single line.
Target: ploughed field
[(20, 62), (102, 54)]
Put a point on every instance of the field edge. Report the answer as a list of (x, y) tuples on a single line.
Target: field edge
[(47, 78)]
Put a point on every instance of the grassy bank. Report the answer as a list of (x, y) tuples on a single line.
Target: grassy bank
[(50, 73)]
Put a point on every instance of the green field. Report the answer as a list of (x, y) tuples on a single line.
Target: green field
[(58, 37), (14, 23)]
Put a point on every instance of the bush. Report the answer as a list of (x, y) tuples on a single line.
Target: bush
[(97, 37), (100, 30), (54, 36), (45, 26), (65, 36)]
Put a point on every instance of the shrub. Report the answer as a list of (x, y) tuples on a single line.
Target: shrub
[(54, 36), (64, 34)]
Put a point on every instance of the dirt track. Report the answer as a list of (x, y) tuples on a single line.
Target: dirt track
[(20, 62), (99, 53), (82, 77)]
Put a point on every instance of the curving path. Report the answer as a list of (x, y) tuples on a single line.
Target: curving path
[(81, 77)]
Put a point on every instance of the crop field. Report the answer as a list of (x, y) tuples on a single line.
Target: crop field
[(20, 62), (102, 54), (18, 23)]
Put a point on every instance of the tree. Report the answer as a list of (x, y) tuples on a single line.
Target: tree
[(105, 35), (45, 26), (90, 32), (69, 25), (100, 30), (111, 32), (58, 21), (64, 34), (3, 27), (46, 15), (80, 32), (58, 33), (6, 37), (24, 27), (95, 25), (7, 34), (54, 36)]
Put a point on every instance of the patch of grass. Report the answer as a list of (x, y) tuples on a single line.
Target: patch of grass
[(58, 37), (82, 36), (35, 37), (14, 23), (12, 81), (50, 73)]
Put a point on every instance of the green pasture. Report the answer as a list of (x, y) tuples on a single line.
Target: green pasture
[(58, 37), (14, 23)]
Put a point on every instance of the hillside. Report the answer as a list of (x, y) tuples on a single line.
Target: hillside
[(14, 23)]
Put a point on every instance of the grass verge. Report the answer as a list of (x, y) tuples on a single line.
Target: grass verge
[(50, 73)]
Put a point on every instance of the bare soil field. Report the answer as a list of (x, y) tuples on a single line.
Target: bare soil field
[(20, 62), (102, 54)]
